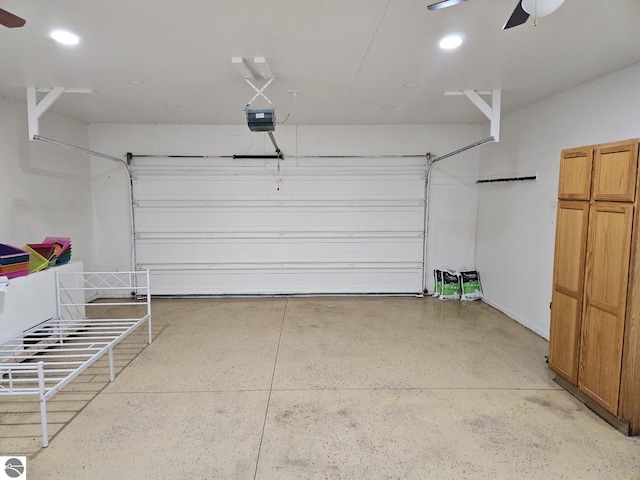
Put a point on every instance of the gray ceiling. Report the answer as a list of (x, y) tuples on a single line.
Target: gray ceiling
[(348, 58)]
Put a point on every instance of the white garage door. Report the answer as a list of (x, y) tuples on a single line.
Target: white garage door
[(215, 226)]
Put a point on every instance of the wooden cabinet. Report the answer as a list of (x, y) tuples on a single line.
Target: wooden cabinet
[(568, 287), (595, 326), (615, 171), (608, 249), (575, 174)]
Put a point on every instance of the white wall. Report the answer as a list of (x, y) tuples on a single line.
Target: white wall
[(516, 221), (453, 193), (44, 190)]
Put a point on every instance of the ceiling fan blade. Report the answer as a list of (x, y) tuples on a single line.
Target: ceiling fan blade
[(444, 4), (10, 20), (518, 17)]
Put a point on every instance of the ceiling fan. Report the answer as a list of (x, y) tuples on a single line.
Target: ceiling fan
[(525, 8), (10, 20)]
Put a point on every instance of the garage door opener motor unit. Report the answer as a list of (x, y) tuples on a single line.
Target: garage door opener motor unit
[(261, 119)]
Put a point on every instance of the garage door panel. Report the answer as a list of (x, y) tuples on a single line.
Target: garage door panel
[(244, 187), (271, 281), (276, 219), (260, 250), (217, 226)]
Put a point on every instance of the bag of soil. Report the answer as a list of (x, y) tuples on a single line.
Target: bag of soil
[(437, 281), (470, 286), (450, 286)]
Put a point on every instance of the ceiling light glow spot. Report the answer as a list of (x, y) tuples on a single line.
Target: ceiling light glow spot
[(136, 82), (389, 107), (411, 85), (450, 42), (65, 37)]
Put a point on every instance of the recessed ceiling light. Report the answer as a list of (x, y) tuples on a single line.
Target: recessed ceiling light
[(451, 42), (64, 37), (411, 85), (136, 82), (389, 107), (172, 106)]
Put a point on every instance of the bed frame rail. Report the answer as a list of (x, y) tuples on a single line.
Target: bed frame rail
[(96, 311)]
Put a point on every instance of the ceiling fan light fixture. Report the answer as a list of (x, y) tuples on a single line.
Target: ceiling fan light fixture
[(541, 8)]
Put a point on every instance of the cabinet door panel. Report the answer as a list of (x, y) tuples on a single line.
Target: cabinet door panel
[(608, 253), (575, 174), (568, 283), (615, 168), (601, 357), (564, 335)]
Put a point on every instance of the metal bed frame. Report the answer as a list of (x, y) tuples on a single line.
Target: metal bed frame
[(44, 359)]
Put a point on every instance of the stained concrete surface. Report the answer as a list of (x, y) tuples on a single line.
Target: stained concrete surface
[(338, 388)]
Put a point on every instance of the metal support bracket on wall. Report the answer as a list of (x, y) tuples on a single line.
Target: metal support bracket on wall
[(35, 110), (492, 112)]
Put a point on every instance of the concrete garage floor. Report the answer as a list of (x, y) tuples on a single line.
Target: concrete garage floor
[(337, 388)]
